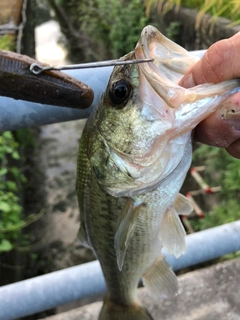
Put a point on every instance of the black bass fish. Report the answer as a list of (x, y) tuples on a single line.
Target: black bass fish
[(134, 154)]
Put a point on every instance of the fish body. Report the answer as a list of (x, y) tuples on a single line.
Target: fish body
[(134, 154)]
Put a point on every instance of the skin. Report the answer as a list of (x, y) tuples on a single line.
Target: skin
[(221, 62)]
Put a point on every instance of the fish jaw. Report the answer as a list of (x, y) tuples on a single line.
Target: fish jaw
[(170, 63)]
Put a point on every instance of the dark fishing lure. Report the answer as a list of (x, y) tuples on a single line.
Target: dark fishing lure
[(50, 87)]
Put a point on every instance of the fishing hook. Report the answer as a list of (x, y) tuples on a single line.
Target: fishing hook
[(36, 68)]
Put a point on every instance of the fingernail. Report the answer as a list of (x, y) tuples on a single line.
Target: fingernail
[(187, 81)]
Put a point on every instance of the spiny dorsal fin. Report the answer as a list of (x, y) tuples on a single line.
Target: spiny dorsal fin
[(172, 233), (125, 229), (183, 205), (160, 280)]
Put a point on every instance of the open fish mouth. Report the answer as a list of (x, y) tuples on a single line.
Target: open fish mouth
[(170, 63)]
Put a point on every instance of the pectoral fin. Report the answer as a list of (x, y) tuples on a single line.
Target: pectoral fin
[(172, 233), (125, 229), (160, 280), (183, 205)]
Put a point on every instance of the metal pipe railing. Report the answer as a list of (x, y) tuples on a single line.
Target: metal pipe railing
[(15, 114), (48, 291)]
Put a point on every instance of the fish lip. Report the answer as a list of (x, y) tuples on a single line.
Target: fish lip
[(145, 49), (161, 75), (149, 35), (141, 49)]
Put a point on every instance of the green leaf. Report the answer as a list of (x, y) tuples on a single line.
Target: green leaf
[(15, 172), (3, 171), (15, 155), (12, 186), (5, 245), (7, 135), (5, 207)]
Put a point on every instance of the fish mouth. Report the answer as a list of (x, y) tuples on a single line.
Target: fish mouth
[(170, 63)]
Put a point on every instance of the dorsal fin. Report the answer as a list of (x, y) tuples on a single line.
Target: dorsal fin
[(125, 229)]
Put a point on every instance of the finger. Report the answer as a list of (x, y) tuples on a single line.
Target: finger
[(234, 149), (221, 62), (222, 128)]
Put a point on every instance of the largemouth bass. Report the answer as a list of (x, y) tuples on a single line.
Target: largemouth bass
[(134, 154)]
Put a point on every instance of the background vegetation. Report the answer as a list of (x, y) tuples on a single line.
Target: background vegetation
[(99, 29), (217, 8), (13, 148), (10, 177), (10, 180), (106, 29)]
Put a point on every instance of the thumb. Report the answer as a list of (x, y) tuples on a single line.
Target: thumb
[(221, 62)]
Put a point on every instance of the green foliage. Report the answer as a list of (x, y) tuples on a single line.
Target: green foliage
[(10, 181), (11, 176), (116, 24), (7, 42), (227, 211), (173, 31), (224, 8), (224, 170)]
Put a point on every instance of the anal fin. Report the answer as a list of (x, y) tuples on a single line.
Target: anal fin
[(160, 280), (172, 233), (125, 229)]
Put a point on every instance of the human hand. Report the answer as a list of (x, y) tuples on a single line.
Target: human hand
[(221, 62)]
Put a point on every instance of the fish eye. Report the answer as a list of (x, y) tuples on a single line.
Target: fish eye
[(120, 92)]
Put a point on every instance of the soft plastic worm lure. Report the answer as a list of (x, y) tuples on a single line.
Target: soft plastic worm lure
[(51, 87)]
